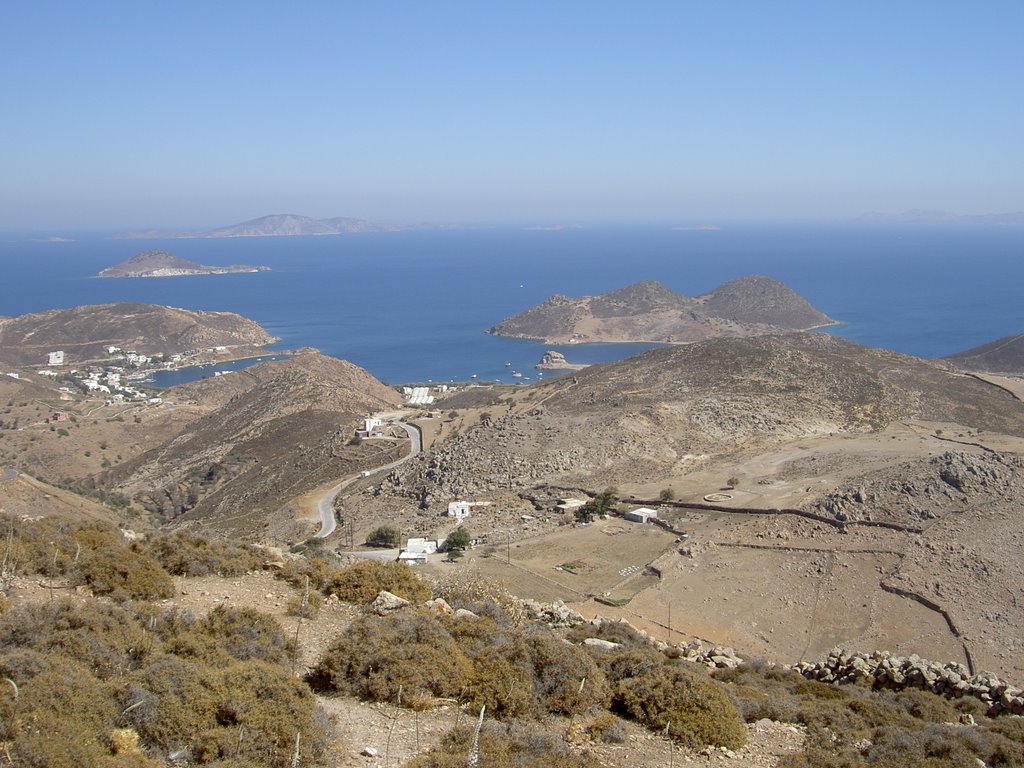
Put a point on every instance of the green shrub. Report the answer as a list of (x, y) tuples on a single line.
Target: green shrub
[(124, 574), (376, 655), (503, 746), (314, 602), (362, 582), (184, 555), (321, 569), (457, 540), (107, 685), (695, 708), (608, 728), (385, 536)]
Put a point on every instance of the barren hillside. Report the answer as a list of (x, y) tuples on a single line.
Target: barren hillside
[(275, 430), (83, 332)]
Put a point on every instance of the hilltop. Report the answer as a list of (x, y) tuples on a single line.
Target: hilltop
[(648, 311), (83, 332), (158, 263), (1005, 355), (274, 225)]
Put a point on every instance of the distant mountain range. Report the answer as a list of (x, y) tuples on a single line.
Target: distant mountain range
[(919, 216), (276, 225), (158, 263), (748, 306)]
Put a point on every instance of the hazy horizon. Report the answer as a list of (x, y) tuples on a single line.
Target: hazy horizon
[(135, 116)]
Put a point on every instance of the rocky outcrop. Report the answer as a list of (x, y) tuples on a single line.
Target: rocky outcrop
[(917, 491), (884, 670), (553, 360)]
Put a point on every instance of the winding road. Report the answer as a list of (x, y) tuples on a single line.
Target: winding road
[(325, 505)]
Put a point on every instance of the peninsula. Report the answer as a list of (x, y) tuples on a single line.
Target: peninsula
[(158, 263), (648, 311)]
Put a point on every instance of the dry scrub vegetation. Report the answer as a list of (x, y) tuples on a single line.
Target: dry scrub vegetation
[(119, 680)]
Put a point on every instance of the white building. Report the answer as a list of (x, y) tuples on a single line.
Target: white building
[(458, 509), (55, 358), (642, 515), (111, 350), (421, 546)]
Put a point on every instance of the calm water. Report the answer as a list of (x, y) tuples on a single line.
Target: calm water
[(413, 306)]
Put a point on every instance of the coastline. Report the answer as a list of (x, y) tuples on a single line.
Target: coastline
[(563, 342)]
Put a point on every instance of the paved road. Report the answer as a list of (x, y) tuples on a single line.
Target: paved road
[(325, 506)]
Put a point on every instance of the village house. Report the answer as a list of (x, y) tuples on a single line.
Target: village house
[(459, 509), (641, 515)]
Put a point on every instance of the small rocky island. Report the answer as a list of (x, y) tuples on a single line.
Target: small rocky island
[(158, 263), (748, 306), (553, 360)]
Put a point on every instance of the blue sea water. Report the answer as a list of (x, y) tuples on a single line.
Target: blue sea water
[(413, 306)]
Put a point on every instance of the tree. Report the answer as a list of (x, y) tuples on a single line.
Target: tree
[(459, 539), (599, 505), (667, 494), (385, 536)]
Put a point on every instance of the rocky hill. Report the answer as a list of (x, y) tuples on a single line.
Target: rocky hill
[(639, 418), (272, 432), (158, 263), (648, 311), (827, 494), (83, 332), (1005, 355)]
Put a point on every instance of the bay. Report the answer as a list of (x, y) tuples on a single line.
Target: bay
[(413, 306)]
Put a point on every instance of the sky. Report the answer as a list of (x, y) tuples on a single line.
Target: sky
[(195, 114)]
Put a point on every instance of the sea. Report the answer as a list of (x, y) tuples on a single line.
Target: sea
[(413, 306)]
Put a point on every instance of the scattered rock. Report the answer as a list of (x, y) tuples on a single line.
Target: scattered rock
[(385, 602)]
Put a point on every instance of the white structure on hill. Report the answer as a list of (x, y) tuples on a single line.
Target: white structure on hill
[(642, 515), (458, 509), (55, 358), (420, 396)]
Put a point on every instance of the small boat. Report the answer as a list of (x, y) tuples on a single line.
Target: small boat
[(472, 375), (508, 364), (517, 374)]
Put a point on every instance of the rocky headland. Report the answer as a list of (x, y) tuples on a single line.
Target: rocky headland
[(84, 333)]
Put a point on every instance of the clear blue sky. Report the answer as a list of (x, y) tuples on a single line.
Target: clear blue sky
[(177, 114)]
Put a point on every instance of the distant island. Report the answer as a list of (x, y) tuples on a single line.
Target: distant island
[(648, 311), (157, 263), (920, 216), (276, 225)]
